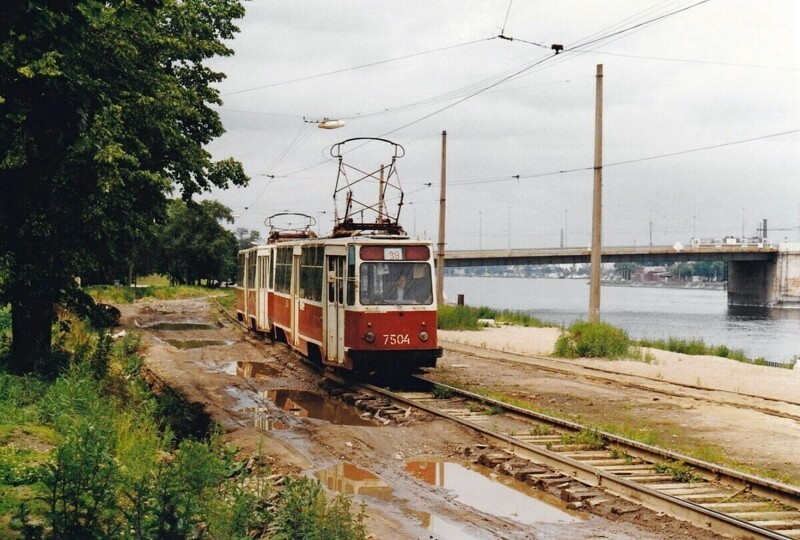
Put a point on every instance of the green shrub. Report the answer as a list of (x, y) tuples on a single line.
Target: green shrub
[(592, 340), (304, 512), (457, 318), (82, 481)]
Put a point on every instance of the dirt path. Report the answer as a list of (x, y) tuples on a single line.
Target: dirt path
[(268, 402)]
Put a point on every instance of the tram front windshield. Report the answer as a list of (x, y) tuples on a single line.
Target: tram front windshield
[(395, 283)]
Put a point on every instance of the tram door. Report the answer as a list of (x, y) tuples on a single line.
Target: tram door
[(335, 308), (295, 302), (263, 279)]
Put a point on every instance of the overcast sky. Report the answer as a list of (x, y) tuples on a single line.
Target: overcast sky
[(719, 72)]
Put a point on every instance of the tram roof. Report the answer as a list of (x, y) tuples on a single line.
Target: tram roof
[(340, 241)]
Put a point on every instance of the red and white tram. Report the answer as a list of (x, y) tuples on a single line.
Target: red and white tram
[(359, 303), (362, 300)]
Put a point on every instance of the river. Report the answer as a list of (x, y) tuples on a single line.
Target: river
[(643, 312)]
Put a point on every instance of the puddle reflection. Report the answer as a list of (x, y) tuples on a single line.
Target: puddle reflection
[(508, 499), (255, 370), (310, 405), (266, 423), (351, 480)]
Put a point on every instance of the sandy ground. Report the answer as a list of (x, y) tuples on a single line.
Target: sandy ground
[(216, 377)]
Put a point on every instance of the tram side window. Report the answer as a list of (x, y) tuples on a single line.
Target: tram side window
[(396, 284), (283, 269), (251, 271), (240, 270), (311, 265)]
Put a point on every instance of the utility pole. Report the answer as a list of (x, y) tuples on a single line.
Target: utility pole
[(597, 202), (440, 246)]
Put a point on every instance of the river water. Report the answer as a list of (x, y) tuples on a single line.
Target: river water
[(643, 312)]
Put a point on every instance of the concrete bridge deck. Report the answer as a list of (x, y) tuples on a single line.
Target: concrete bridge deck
[(764, 276), (504, 257)]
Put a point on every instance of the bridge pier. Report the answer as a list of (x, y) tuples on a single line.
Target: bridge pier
[(774, 283)]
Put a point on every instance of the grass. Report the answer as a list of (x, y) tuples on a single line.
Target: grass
[(466, 318), (699, 347), (680, 472), (110, 294), (589, 439), (441, 392)]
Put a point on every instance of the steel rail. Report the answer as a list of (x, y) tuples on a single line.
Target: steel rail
[(590, 475)]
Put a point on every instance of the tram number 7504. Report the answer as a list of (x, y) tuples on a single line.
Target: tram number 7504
[(396, 339)]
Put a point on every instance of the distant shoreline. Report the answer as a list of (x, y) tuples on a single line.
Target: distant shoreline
[(714, 286), (703, 285)]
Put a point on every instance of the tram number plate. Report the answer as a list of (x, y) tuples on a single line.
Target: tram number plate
[(396, 339)]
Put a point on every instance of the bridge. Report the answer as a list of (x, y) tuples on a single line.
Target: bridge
[(758, 274)]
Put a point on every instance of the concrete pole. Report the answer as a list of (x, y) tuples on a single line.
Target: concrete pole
[(440, 246), (597, 205)]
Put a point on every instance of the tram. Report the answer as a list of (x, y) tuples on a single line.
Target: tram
[(361, 299)]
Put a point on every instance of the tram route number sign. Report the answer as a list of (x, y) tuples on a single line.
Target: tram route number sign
[(393, 254), (396, 339)]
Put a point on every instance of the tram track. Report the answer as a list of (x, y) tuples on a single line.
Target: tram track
[(553, 454), (544, 454)]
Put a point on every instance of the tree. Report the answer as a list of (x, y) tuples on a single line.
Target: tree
[(105, 108), (194, 244), (247, 238)]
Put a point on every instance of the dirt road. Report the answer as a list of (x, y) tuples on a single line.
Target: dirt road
[(414, 477)]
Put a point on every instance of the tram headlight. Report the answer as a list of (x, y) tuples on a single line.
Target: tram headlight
[(423, 336), (369, 337)]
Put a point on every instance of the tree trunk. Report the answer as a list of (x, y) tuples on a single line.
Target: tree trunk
[(31, 327)]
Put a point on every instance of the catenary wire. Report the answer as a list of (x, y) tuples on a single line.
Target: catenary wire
[(353, 68)]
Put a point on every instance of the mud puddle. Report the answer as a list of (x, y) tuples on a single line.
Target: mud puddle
[(255, 370), (351, 480), (506, 499), (197, 343), (305, 404)]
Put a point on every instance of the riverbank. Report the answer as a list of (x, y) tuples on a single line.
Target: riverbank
[(644, 312), (700, 371)]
